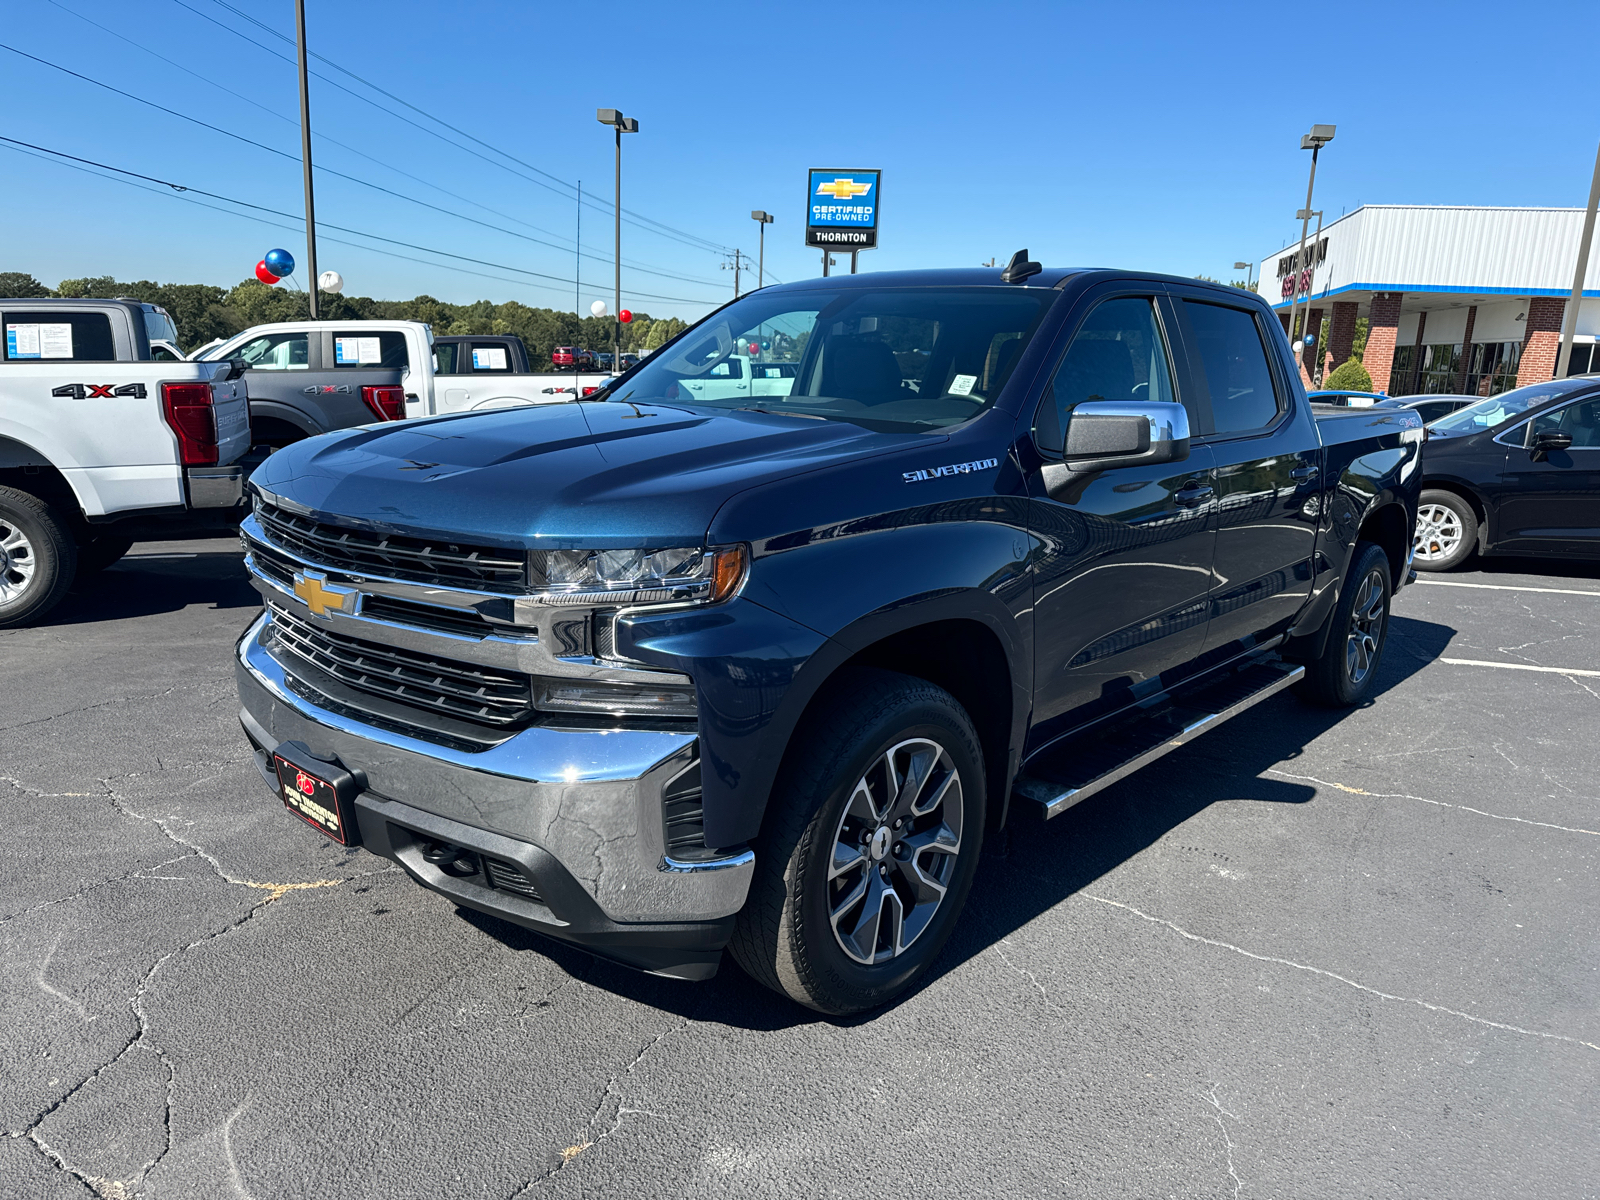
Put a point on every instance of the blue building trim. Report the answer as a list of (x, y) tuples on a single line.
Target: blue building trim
[(1413, 289)]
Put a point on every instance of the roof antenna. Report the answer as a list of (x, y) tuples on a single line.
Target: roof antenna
[(1019, 268)]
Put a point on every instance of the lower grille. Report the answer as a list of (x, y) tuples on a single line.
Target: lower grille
[(682, 814), (464, 691), (509, 878)]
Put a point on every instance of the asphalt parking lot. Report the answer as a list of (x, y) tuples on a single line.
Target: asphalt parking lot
[(1310, 955)]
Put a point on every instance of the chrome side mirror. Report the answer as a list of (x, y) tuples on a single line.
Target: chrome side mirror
[(1102, 434)]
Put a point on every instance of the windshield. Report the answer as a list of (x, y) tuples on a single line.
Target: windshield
[(889, 358), (1486, 414)]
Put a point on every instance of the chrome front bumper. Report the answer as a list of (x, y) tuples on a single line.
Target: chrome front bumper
[(588, 798)]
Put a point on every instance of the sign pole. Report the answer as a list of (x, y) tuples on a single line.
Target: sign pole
[(853, 255), (825, 264), (1569, 322), (305, 156)]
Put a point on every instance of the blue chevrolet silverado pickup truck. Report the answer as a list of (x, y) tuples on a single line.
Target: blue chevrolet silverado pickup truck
[(753, 649)]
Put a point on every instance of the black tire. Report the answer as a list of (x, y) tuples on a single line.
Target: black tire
[(1358, 628), (38, 558), (784, 937), (1447, 531), (97, 553)]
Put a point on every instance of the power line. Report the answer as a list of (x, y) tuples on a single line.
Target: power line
[(184, 188), (330, 171), (648, 224)]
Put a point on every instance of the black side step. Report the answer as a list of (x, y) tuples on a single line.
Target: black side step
[(1076, 768)]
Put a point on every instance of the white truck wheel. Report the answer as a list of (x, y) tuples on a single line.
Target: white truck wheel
[(38, 558)]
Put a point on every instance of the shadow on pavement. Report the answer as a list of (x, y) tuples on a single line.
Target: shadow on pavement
[(1033, 866), (160, 577), (1564, 568)]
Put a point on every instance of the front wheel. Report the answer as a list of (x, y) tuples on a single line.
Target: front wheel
[(1346, 671), (872, 842)]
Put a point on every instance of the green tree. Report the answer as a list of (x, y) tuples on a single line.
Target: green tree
[(1349, 376), (18, 285), (1358, 345)]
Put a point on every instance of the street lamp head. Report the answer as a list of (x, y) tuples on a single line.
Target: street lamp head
[(630, 125), (608, 116), (1241, 266), (1319, 137), (764, 218)]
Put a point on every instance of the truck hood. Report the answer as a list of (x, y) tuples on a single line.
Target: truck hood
[(601, 475)]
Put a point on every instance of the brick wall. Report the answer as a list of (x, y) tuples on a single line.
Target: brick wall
[(1383, 327), (1542, 341), (1342, 331)]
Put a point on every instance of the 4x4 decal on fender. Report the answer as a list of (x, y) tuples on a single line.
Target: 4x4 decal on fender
[(326, 389), (100, 391), (966, 468)]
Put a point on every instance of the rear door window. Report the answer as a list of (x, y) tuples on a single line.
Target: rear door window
[(383, 349), (1243, 397), (275, 352), (490, 357), (59, 336)]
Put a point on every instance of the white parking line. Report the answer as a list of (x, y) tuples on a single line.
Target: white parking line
[(1478, 662), (1505, 587)]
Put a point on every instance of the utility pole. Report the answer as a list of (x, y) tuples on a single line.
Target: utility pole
[(577, 274), (1569, 322), (305, 155), (1314, 141)]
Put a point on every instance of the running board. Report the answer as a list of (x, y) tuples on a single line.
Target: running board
[(1076, 768)]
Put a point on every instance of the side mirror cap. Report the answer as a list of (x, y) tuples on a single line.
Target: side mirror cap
[(1102, 434), (1551, 439)]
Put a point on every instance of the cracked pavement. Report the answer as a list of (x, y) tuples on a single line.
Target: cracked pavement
[(1310, 954)]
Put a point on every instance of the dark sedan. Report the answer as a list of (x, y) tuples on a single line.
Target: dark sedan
[(1517, 473)]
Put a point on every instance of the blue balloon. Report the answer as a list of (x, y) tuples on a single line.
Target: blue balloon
[(280, 262)]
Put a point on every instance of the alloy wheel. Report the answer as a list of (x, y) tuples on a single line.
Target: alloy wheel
[(17, 562), (1438, 533), (1367, 616), (894, 851)]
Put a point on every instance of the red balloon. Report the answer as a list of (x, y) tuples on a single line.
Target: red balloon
[(624, 316), (265, 275)]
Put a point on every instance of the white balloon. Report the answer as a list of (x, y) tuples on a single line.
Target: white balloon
[(331, 281), (598, 308)]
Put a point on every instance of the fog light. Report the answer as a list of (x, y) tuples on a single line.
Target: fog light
[(606, 697)]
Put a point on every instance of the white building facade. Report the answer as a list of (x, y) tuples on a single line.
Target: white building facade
[(1462, 300)]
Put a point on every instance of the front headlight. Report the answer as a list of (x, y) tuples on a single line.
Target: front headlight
[(592, 578)]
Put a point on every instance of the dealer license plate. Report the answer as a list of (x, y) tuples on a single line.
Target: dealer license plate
[(311, 798)]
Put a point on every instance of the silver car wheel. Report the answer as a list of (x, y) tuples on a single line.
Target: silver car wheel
[(894, 851), (1438, 534), (18, 562), (1367, 617)]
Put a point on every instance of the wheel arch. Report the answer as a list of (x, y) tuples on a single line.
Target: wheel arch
[(27, 470), (1386, 527)]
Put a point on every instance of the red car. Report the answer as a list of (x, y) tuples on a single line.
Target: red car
[(571, 357)]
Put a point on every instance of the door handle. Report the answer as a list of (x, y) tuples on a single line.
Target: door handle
[(1192, 494), (1306, 472)]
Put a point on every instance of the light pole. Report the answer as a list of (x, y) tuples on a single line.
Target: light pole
[(305, 155), (764, 219), (1569, 322), (622, 124), (1250, 279), (1314, 141)]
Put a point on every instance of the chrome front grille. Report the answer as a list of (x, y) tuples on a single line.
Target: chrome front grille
[(437, 562), (448, 687)]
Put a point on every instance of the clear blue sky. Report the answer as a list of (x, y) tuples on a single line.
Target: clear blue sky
[(1161, 136)]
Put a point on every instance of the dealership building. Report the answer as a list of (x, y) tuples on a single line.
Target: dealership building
[(1462, 300)]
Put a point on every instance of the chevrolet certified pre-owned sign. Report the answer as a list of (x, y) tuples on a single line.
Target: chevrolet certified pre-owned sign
[(842, 210)]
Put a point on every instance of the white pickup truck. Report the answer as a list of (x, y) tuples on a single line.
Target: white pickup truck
[(101, 442), (353, 346)]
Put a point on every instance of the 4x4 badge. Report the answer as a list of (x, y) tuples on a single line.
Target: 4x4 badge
[(328, 389), (100, 391)]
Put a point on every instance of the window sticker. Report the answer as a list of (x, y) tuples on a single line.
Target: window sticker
[(352, 351), (491, 359), (39, 341), (962, 385)]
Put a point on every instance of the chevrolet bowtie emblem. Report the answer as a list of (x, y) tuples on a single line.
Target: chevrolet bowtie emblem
[(322, 597), (843, 189)]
